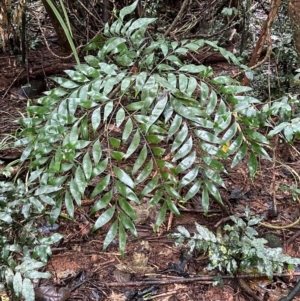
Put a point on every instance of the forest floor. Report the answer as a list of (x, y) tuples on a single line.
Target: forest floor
[(106, 276)]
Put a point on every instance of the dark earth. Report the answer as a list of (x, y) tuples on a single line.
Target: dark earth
[(151, 262)]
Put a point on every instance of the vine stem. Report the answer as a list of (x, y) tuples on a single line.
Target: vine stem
[(281, 227)]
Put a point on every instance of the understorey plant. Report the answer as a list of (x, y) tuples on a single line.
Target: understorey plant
[(138, 124), (23, 249), (236, 248)]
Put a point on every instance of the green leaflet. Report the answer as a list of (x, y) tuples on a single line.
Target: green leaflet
[(180, 137), (104, 218), (17, 284), (213, 190), (149, 93), (96, 118), (133, 145), (87, 166), (127, 130), (161, 215), (189, 177), (175, 125), (108, 110), (151, 185), (184, 149), (173, 208), (239, 155), (27, 290), (128, 224), (111, 234), (127, 208), (157, 110), (205, 199), (120, 116), (145, 172), (55, 212), (99, 168), (80, 180), (69, 204), (124, 177), (193, 190), (186, 163), (252, 165), (101, 185), (102, 203), (126, 192), (75, 192), (97, 152), (140, 160), (122, 239)]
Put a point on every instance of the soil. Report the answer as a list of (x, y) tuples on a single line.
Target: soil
[(107, 276)]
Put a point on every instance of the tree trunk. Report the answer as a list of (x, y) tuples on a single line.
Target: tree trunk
[(57, 27), (107, 10), (264, 35), (294, 11)]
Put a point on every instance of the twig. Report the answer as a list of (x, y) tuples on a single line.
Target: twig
[(16, 78), (228, 218), (184, 5), (292, 294), (245, 287), (275, 209), (292, 238), (184, 280)]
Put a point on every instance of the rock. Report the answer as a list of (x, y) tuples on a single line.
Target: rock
[(33, 89), (273, 240)]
